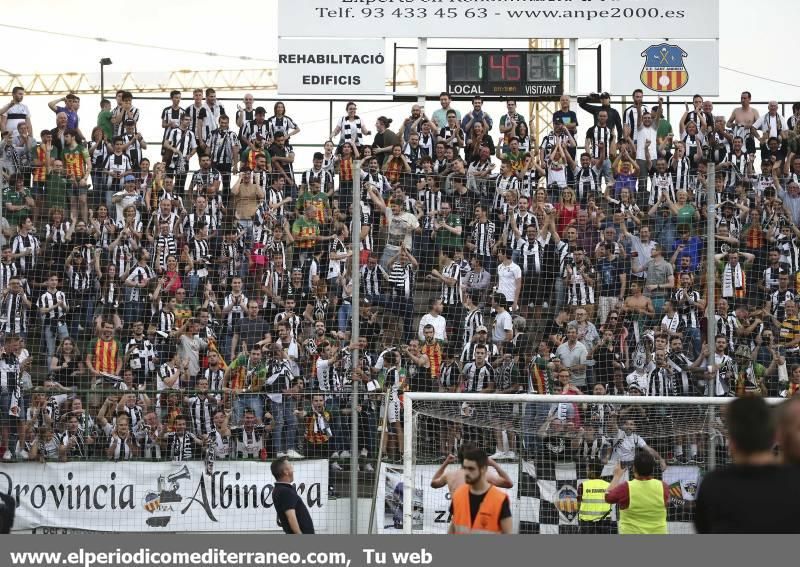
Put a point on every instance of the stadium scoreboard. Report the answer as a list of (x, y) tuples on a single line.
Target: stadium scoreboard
[(505, 73)]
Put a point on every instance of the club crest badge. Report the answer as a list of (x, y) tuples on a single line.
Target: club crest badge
[(663, 69), (567, 502)]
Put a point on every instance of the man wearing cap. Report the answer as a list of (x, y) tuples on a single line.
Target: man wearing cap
[(551, 140), (258, 128), (480, 338), (614, 120), (129, 196)]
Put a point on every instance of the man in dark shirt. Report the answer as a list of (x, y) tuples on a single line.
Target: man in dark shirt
[(756, 494), (293, 516), (612, 280), (556, 330), (251, 329), (789, 429), (7, 510), (614, 120)]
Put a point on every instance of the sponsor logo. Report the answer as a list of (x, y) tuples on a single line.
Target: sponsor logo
[(165, 496), (663, 69), (567, 502)]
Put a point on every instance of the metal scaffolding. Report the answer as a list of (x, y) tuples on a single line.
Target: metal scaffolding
[(541, 112), (152, 82)]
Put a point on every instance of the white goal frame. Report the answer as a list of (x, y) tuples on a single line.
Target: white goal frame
[(408, 415)]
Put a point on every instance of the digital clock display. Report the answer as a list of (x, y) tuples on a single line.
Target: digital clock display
[(505, 73)]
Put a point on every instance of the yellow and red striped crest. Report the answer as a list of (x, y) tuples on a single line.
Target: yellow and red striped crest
[(664, 70)]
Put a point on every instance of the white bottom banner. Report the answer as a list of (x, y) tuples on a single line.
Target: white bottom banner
[(162, 496)]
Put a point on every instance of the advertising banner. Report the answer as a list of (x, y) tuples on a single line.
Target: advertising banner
[(331, 66), (593, 19), (157, 496)]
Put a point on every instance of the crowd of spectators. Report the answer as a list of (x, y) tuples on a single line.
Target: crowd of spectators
[(154, 310)]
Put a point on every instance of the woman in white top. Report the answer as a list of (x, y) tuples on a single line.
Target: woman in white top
[(279, 122), (350, 127)]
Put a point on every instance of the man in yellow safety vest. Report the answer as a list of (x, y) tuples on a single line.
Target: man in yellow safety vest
[(641, 502), (594, 513)]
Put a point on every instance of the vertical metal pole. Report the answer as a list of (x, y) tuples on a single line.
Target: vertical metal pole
[(394, 68), (354, 354), (599, 68), (408, 471), (573, 67), (384, 425), (711, 278), (330, 118), (422, 69)]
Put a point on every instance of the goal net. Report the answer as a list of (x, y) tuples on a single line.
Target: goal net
[(547, 446)]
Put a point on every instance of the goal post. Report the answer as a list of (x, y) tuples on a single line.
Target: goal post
[(549, 444)]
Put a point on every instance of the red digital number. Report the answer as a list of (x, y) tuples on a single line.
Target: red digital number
[(512, 64), (497, 69), (505, 67)]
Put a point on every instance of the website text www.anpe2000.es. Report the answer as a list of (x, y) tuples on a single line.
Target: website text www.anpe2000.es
[(481, 13), (210, 557)]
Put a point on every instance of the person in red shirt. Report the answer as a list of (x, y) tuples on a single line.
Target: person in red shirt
[(642, 502)]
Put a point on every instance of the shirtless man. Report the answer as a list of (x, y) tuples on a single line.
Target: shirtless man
[(742, 120), (640, 309), (455, 478)]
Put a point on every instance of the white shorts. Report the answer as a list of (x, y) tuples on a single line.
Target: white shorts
[(394, 411)]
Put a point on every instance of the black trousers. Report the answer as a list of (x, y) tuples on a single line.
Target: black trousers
[(605, 526)]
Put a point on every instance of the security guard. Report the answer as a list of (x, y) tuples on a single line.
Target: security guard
[(641, 502), (477, 506), (594, 513)]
